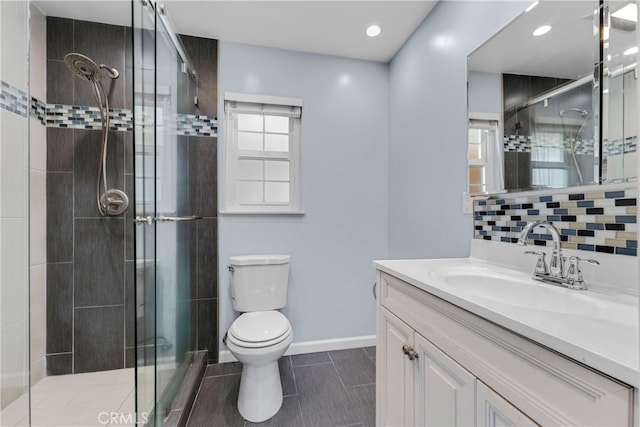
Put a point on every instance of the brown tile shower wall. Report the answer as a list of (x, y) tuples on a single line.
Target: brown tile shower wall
[(91, 259)]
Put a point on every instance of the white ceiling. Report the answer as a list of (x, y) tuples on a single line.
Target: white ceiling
[(332, 27), (566, 51)]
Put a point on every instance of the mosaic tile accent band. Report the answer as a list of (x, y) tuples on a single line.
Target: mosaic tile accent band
[(76, 117), (601, 221), (13, 99), (197, 125), (39, 110), (525, 144), (621, 146), (82, 117)]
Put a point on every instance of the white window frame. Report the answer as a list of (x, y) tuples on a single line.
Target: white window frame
[(493, 160), (238, 103)]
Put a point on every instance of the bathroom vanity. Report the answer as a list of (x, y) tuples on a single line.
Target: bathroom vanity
[(476, 341)]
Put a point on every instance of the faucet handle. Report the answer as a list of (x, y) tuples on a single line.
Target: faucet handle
[(574, 274), (578, 259), (541, 264)]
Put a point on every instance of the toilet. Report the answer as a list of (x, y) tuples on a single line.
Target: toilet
[(261, 334)]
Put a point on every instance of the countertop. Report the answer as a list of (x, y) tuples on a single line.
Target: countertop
[(599, 329)]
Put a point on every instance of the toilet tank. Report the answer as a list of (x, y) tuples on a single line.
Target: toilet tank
[(259, 282)]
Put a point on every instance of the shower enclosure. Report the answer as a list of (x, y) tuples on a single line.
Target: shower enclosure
[(107, 161), (558, 141)]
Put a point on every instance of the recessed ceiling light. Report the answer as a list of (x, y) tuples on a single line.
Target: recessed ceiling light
[(373, 30), (631, 51), (542, 30), (534, 4), (629, 12)]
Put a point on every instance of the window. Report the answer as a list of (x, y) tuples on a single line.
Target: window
[(262, 156), (483, 156)]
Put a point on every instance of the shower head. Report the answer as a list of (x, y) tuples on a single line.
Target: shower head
[(86, 69), (583, 113), (83, 67)]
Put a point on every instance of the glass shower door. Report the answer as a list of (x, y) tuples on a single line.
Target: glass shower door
[(165, 225)]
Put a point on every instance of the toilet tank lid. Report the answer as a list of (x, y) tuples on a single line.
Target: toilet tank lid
[(258, 259)]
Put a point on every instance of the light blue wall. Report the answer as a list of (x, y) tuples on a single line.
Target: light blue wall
[(485, 92), (344, 187), (427, 128)]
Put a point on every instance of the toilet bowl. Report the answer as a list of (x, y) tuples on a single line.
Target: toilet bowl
[(258, 339)]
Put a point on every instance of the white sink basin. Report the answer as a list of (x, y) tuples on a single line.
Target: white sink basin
[(516, 289)]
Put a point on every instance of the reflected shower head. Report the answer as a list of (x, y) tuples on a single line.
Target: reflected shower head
[(583, 113), (86, 69)]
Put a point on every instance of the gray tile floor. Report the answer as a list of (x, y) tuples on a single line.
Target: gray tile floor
[(335, 388)]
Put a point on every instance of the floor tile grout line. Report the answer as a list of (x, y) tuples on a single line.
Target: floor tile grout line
[(293, 374), (360, 385), (313, 364), (300, 410), (338, 373), (195, 399), (295, 382)]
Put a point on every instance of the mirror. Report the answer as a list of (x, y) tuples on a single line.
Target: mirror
[(555, 124)]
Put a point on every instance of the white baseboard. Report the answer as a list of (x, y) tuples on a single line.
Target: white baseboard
[(304, 347)]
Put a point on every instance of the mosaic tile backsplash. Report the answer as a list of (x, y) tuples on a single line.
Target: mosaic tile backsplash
[(601, 221), (83, 117)]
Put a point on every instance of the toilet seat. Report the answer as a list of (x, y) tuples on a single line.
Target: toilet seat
[(259, 329)]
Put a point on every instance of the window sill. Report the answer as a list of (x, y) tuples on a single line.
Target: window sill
[(233, 212)]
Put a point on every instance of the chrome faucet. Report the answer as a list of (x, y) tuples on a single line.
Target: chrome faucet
[(555, 274), (556, 264)]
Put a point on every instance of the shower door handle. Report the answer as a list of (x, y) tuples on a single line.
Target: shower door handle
[(178, 218), (143, 220)]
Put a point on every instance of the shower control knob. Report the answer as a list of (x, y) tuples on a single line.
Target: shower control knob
[(144, 220)]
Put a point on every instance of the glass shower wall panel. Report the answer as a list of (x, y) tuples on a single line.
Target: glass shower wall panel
[(560, 143), (143, 28), (165, 230), (173, 237)]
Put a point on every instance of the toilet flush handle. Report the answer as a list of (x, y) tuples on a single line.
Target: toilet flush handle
[(231, 269)]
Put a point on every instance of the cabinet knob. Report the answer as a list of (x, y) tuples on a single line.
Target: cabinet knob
[(411, 353)]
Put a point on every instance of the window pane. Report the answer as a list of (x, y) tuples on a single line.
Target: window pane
[(249, 141), (550, 177), (249, 192), (276, 171), (276, 124), (474, 152), (252, 122), (250, 169), (476, 175), (474, 136), (277, 192), (274, 142), (477, 189)]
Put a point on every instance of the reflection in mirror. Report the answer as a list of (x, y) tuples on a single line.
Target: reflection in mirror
[(620, 112), (546, 91)]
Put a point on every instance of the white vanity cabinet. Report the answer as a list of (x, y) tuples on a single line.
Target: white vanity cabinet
[(438, 364)]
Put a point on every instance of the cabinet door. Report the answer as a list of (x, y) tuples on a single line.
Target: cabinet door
[(394, 372), (445, 391), (495, 411)]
